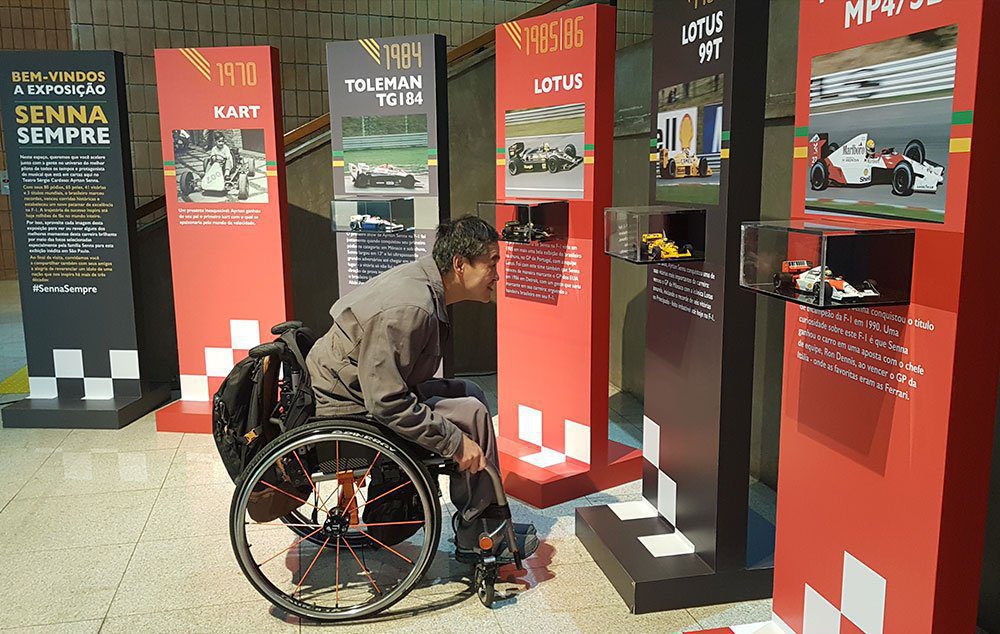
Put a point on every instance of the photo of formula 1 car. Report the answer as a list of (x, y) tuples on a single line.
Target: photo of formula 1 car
[(682, 164), (525, 232), (385, 175), (216, 180), (856, 163), (658, 247), (543, 158), (374, 224), (800, 276)]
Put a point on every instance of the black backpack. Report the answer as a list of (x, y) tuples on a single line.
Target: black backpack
[(253, 405)]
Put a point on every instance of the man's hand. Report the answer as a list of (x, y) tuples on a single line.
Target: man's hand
[(469, 456)]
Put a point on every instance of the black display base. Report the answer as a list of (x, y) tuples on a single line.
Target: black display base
[(80, 414), (654, 584)]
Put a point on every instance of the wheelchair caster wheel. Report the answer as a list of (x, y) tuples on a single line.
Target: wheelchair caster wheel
[(486, 577)]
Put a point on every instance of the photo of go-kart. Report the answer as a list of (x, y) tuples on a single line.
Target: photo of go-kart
[(544, 158), (800, 276), (682, 164), (214, 180), (659, 247), (856, 163), (385, 175), (374, 224), (524, 232)]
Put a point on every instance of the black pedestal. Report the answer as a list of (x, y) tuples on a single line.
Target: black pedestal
[(77, 413), (652, 584)]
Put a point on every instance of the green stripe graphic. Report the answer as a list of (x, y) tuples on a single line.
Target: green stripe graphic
[(802, 131), (501, 150), (725, 135), (588, 146), (961, 117), (168, 163), (338, 152)]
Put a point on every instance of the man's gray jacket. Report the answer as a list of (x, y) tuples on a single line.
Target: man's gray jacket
[(386, 340)]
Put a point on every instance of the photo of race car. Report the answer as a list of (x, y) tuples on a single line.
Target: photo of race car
[(800, 276), (659, 247), (681, 164), (857, 163), (543, 158), (219, 166), (384, 175), (525, 232), (374, 224)]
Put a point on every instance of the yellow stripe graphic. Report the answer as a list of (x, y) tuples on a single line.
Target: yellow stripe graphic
[(432, 161), (338, 163), (201, 57), (501, 161), (272, 172), (801, 152), (200, 65), (724, 153), (653, 157), (960, 144), (169, 173), (587, 160), (373, 49), (515, 33)]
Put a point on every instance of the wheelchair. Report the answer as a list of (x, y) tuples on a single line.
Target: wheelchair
[(365, 518)]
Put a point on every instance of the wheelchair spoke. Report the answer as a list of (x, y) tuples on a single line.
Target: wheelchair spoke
[(363, 569), (389, 548), (313, 563), (389, 523), (296, 543), (309, 478), (354, 498), (379, 497), (294, 497), (283, 524), (336, 583)]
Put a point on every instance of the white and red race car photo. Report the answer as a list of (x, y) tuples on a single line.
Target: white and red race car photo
[(857, 163)]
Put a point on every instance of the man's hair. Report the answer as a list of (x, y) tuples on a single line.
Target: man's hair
[(468, 236)]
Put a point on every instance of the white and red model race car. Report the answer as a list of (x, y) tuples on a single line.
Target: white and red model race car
[(370, 223), (385, 175), (857, 163), (802, 277)]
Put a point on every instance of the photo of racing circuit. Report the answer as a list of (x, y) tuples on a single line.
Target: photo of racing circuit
[(220, 166), (545, 152), (386, 154), (688, 155), (879, 134)]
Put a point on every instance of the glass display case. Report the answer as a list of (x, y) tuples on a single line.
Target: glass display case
[(828, 264), (526, 221), (372, 215), (651, 235)]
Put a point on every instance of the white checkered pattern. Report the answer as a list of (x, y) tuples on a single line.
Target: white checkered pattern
[(243, 335), (662, 544), (69, 368), (576, 437), (862, 602)]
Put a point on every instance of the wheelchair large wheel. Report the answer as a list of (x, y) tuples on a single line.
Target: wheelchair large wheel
[(340, 578)]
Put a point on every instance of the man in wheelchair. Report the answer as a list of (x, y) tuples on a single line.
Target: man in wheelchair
[(381, 355)]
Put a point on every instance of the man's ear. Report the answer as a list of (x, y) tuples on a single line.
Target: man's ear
[(457, 263)]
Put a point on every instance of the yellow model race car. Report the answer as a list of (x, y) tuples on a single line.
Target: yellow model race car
[(659, 247), (682, 163)]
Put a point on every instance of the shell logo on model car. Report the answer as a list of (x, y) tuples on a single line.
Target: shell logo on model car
[(856, 163)]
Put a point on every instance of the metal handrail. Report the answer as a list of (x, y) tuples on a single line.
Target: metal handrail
[(322, 122)]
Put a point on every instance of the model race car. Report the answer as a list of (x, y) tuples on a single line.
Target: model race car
[(858, 164), (368, 222), (384, 175), (544, 158), (524, 232), (802, 277), (658, 247), (216, 181), (682, 163)]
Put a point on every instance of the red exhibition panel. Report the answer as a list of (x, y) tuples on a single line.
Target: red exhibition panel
[(224, 173), (555, 88), (885, 446)]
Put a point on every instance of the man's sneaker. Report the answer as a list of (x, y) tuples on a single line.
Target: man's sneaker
[(467, 540)]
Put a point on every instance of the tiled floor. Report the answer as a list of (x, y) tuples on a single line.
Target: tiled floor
[(125, 531)]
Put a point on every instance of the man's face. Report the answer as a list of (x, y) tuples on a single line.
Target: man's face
[(220, 142), (479, 277)]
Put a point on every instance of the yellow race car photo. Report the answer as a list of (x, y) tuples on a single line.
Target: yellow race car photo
[(659, 247)]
